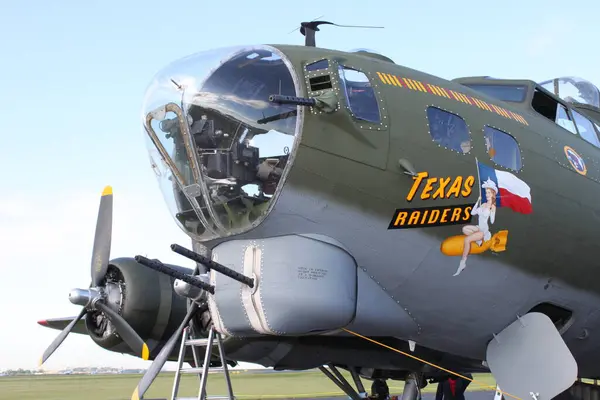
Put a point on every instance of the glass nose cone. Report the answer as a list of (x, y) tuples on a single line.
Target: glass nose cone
[(220, 150)]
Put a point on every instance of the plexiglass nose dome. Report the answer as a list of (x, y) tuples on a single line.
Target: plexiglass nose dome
[(219, 148)]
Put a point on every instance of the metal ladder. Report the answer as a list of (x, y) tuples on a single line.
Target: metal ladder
[(214, 338)]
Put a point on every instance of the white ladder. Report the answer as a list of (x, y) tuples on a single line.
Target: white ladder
[(203, 371)]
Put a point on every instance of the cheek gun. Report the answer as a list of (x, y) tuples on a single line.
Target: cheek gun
[(326, 102), (210, 264), (191, 280), (298, 101), (160, 267)]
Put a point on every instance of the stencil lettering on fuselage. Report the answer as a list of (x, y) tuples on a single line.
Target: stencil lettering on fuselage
[(425, 187)]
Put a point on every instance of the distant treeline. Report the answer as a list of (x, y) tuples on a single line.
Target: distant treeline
[(20, 371)]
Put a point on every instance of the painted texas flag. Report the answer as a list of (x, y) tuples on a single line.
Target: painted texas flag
[(512, 191)]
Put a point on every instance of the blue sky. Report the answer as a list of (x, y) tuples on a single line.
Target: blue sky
[(72, 81)]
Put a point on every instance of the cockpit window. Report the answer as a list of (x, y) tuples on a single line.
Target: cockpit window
[(514, 93), (574, 89), (550, 108), (585, 128), (449, 130), (563, 119), (360, 95)]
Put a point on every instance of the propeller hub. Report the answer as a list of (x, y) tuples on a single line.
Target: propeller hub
[(83, 297)]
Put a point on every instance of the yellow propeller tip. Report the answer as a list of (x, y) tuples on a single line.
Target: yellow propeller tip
[(145, 352), (107, 191), (136, 394), (40, 362)]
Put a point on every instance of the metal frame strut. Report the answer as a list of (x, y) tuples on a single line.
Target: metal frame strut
[(187, 340)]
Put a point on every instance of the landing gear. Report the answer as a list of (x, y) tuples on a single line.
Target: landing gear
[(379, 389), (412, 387), (341, 382)]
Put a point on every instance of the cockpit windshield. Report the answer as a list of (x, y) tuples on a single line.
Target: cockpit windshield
[(574, 89), (219, 148)]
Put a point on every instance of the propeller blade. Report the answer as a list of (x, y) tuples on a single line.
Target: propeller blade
[(61, 337), (129, 336), (101, 250), (162, 356)]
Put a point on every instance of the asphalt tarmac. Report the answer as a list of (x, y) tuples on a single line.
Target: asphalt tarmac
[(476, 395)]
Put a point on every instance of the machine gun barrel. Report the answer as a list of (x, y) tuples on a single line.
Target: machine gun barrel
[(299, 101), (210, 264), (160, 267)]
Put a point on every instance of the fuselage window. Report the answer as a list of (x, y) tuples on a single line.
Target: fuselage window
[(502, 148), (585, 128), (449, 130), (360, 95)]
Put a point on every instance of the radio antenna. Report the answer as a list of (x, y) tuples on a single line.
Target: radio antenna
[(309, 29), (295, 29)]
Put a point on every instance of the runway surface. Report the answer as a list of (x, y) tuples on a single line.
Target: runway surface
[(478, 395)]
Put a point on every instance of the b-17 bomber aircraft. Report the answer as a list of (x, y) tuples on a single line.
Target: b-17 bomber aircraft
[(341, 205)]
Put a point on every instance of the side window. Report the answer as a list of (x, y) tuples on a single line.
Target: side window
[(360, 95), (563, 119), (502, 148), (449, 130), (585, 128)]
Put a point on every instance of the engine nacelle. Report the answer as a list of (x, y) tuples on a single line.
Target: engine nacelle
[(145, 299)]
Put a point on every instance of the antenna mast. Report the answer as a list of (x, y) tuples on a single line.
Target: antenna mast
[(309, 30)]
